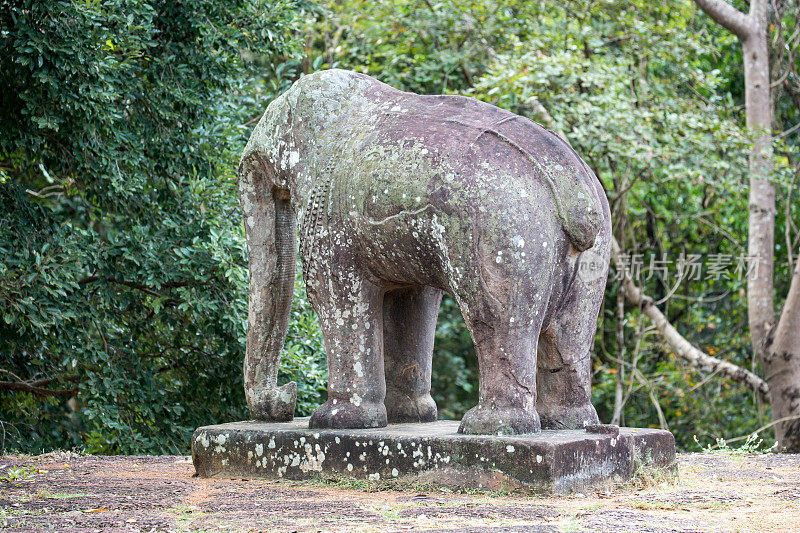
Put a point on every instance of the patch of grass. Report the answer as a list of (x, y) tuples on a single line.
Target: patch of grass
[(570, 524), (666, 505), (5, 520), (647, 476), (18, 513), (185, 514), (654, 505), (713, 505), (390, 513), (64, 455), (59, 495), (19, 473), (185, 510), (351, 483), (19, 496), (365, 485), (752, 446), (53, 455)]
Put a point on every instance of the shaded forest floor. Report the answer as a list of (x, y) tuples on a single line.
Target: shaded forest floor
[(65, 492)]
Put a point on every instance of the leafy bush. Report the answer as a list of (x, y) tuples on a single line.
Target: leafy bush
[(123, 278)]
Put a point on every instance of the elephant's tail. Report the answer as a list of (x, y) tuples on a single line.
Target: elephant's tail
[(580, 209), (270, 229), (582, 224)]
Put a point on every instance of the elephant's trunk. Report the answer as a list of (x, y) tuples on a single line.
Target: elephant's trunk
[(270, 229)]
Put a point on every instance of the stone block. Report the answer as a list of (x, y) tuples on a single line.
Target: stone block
[(553, 461)]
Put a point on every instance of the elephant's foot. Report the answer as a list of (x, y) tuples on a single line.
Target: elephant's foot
[(482, 420), (274, 404), (343, 414), (568, 417), (403, 408)]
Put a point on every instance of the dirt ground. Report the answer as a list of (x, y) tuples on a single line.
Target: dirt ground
[(65, 492)]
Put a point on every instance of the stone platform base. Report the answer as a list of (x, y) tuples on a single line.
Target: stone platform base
[(432, 453)]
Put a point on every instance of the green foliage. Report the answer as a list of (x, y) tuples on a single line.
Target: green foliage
[(18, 473), (122, 282), (427, 47), (453, 381), (303, 360)]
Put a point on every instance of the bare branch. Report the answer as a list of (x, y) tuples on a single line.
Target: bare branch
[(37, 386), (762, 428), (254, 120), (727, 16), (788, 132), (143, 288), (53, 190), (33, 389), (678, 342)]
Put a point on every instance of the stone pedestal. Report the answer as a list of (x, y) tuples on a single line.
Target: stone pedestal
[(548, 462)]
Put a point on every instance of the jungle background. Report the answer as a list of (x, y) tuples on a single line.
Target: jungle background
[(123, 275)]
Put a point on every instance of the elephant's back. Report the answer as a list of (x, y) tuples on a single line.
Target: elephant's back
[(398, 154), (353, 115), (499, 157)]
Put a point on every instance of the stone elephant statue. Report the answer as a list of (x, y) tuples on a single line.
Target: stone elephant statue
[(398, 198)]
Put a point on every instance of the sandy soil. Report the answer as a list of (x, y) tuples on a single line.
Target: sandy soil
[(63, 492)]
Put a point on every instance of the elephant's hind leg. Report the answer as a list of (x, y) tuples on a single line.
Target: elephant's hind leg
[(506, 350), (565, 371), (350, 313), (564, 378), (409, 325)]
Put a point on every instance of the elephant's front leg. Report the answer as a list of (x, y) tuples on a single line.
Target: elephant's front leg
[(409, 327), (350, 313)]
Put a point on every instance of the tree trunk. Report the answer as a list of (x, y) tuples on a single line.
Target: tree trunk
[(761, 233), (779, 353), (782, 370)]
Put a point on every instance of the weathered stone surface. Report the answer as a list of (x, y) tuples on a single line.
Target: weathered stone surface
[(553, 461), (398, 198)]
